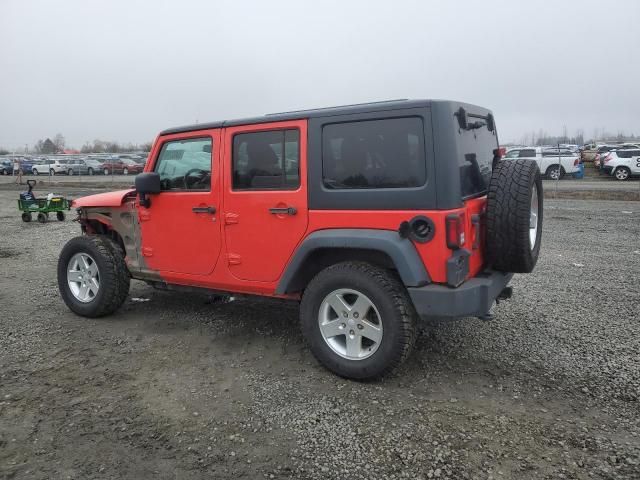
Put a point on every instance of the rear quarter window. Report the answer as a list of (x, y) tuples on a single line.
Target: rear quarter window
[(369, 154)]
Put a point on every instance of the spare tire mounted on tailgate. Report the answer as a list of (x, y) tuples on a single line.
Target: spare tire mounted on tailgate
[(514, 216)]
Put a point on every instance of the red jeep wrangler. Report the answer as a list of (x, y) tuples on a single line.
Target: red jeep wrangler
[(370, 215)]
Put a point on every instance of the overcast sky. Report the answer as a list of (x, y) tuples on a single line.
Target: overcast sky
[(125, 69)]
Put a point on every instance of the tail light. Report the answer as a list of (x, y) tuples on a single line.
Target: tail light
[(576, 162), (607, 158), (455, 230)]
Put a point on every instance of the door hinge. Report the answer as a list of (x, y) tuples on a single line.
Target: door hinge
[(231, 218), (147, 252), (234, 259)]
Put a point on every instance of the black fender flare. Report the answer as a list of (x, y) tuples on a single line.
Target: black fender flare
[(401, 251)]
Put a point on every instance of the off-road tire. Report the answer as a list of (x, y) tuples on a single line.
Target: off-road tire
[(508, 214), (114, 275), (389, 296)]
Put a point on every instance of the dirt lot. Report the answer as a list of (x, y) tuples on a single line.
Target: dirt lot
[(183, 386)]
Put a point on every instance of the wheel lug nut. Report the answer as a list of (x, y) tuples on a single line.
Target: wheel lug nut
[(356, 314), (351, 332), (345, 314), (360, 327)]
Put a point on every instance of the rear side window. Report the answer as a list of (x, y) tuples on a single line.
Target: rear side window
[(527, 153), (627, 153), (374, 154), (185, 164), (266, 160)]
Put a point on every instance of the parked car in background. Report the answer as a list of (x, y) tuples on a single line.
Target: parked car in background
[(49, 166), (603, 150), (554, 163), (84, 166), (132, 167), (622, 164), (6, 167), (112, 165)]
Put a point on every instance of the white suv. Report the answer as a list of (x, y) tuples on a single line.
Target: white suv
[(554, 163), (622, 164), (49, 166)]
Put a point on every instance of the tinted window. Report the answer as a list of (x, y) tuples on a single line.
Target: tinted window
[(512, 154), (266, 160), (527, 153), (627, 153), (374, 154), (185, 164)]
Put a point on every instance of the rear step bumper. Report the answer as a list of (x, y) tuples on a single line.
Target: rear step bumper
[(474, 298)]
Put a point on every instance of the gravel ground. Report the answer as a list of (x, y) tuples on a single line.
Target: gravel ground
[(190, 387)]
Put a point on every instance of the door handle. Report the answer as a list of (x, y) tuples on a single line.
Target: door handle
[(283, 211), (210, 210)]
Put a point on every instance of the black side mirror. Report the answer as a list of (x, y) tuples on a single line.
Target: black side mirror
[(147, 183)]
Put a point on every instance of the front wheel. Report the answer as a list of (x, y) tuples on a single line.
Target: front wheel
[(125, 171), (26, 217), (622, 173), (358, 320), (70, 172), (42, 217), (34, 171), (60, 216), (93, 278), (90, 171), (52, 172)]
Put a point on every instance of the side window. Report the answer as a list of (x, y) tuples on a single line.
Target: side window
[(185, 164), (266, 160), (374, 154), (512, 154), (527, 153)]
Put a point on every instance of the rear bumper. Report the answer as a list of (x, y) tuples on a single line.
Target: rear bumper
[(474, 298), (607, 169)]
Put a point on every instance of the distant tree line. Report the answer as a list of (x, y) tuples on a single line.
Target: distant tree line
[(599, 135), (102, 146)]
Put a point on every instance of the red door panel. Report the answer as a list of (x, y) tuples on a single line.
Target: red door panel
[(263, 225), (176, 239)]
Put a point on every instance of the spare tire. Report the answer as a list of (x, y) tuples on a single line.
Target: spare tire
[(514, 216)]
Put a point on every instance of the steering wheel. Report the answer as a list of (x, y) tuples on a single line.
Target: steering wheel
[(202, 175)]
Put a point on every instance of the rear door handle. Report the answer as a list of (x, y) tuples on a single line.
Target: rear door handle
[(283, 211), (210, 210)]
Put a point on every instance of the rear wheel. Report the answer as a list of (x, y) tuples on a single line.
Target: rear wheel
[(52, 172), (106, 171), (514, 216), (42, 217), (60, 216), (555, 172), (90, 171), (125, 171), (93, 278), (70, 171), (34, 171), (358, 320), (26, 217), (622, 173)]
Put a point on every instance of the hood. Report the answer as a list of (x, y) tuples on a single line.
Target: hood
[(108, 199)]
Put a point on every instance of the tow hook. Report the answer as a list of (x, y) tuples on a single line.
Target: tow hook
[(505, 294)]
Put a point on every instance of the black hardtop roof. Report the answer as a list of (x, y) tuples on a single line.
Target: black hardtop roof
[(316, 112)]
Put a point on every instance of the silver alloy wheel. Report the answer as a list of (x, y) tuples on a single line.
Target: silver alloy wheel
[(125, 172), (106, 171), (554, 174), (533, 218), (622, 174), (350, 324), (83, 277)]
